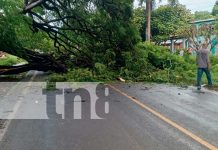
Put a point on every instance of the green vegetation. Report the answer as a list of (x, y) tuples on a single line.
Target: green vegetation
[(151, 63), (202, 15), (166, 21), (150, 5), (215, 9), (9, 60), (89, 40), (85, 75)]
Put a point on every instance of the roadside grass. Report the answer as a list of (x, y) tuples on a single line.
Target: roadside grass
[(10, 60), (50, 86)]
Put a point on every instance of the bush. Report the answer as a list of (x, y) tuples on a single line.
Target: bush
[(137, 67), (147, 62), (57, 78), (154, 63), (103, 73), (74, 75), (100, 73)]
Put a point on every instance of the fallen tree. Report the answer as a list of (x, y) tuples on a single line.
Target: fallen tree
[(36, 61), (11, 44), (82, 31)]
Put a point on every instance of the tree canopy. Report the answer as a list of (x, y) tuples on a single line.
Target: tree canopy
[(139, 21), (202, 15), (215, 9), (82, 29), (169, 21), (166, 21), (17, 39), (82, 32)]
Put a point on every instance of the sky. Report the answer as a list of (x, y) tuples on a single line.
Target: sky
[(193, 5)]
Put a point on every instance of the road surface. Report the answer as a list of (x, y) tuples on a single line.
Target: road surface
[(141, 117)]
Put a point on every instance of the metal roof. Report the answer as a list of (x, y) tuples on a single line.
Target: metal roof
[(201, 21)]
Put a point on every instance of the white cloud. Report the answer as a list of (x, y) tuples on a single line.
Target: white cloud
[(193, 5)]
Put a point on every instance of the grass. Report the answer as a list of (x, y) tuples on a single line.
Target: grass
[(10, 60)]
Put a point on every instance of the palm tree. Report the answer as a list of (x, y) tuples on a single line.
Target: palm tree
[(149, 6), (148, 19)]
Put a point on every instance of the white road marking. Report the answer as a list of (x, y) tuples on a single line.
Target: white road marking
[(11, 116)]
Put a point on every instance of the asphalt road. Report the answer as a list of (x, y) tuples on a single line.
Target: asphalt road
[(129, 125)]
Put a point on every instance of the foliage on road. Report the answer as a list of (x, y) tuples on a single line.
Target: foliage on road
[(97, 40), (151, 64)]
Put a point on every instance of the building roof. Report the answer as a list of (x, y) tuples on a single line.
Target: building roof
[(176, 42), (202, 21)]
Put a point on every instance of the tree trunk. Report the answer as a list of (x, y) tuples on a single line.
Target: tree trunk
[(148, 15), (9, 70), (37, 61)]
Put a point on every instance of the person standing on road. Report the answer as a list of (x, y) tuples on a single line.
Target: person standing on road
[(203, 64)]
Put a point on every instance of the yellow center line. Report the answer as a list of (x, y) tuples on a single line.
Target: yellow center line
[(167, 120)]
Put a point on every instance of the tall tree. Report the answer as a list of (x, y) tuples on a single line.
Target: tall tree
[(148, 19), (201, 15), (169, 22), (149, 6), (215, 9), (166, 21), (139, 21)]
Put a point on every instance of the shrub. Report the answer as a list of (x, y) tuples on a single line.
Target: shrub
[(103, 73), (80, 75), (100, 73), (157, 64), (147, 62), (57, 78)]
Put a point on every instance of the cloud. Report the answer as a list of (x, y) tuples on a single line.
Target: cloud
[(193, 5), (199, 5)]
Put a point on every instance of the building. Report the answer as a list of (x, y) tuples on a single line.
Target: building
[(175, 43)]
